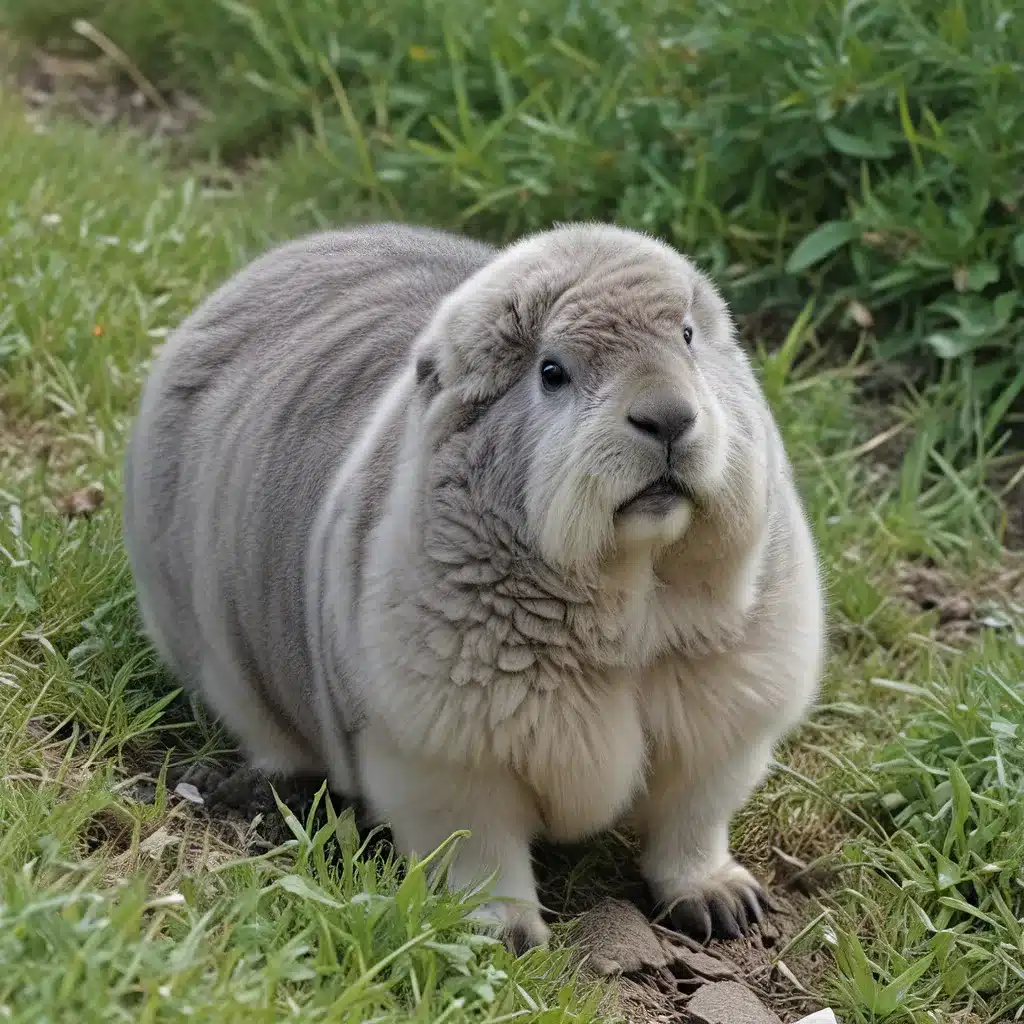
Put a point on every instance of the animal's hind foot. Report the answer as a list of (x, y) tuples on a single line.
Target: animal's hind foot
[(246, 790)]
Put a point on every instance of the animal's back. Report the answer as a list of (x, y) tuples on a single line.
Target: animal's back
[(248, 410)]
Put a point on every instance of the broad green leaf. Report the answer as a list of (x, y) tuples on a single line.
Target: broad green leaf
[(948, 874), (981, 275), (895, 992), (302, 887), (962, 805), (1003, 307), (24, 597), (854, 145), (949, 345), (821, 242), (955, 979)]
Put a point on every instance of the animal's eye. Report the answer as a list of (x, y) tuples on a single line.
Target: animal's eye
[(553, 376), (687, 334)]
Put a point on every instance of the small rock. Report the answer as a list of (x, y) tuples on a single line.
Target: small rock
[(861, 315), (728, 1002), (703, 965), (618, 939), (189, 792)]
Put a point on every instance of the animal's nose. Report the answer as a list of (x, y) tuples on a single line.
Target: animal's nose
[(663, 415)]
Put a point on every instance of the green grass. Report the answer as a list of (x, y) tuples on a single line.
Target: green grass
[(946, 853), (867, 153), (906, 780)]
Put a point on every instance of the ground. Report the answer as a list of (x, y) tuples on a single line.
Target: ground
[(891, 831)]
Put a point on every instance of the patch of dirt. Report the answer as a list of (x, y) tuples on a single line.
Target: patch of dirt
[(103, 90), (48, 467), (61, 755), (36, 446), (237, 794), (127, 833), (176, 845), (81, 503), (657, 975), (964, 606), (1013, 501), (587, 885)]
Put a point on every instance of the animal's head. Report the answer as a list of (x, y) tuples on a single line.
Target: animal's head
[(587, 383)]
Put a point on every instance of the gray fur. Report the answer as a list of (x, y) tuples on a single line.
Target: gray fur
[(366, 533)]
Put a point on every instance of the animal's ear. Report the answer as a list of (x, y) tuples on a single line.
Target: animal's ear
[(428, 377)]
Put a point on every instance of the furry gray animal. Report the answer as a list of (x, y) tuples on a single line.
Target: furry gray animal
[(504, 541)]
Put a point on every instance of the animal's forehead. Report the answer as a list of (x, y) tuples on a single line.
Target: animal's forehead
[(627, 304), (607, 304)]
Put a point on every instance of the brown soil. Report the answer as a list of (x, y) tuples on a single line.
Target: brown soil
[(962, 606), (97, 90), (597, 890)]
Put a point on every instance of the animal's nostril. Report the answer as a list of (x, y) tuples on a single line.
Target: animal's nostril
[(663, 417), (647, 426)]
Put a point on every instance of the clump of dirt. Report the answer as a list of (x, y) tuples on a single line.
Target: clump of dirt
[(125, 829), (238, 794), (103, 90), (81, 503), (590, 885), (964, 606), (36, 448), (657, 975)]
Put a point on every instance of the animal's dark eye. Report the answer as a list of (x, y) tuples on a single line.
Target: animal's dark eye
[(553, 376), (687, 334)]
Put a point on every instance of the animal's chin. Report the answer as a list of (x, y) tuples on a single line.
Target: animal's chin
[(660, 498)]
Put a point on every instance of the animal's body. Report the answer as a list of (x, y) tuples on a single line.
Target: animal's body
[(505, 541)]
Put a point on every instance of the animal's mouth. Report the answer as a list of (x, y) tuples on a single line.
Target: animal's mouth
[(658, 498)]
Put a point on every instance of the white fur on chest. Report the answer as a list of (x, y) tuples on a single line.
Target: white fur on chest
[(568, 698)]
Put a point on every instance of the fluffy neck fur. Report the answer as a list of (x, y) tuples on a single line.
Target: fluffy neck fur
[(624, 608)]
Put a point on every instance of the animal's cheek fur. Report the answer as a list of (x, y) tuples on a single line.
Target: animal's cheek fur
[(569, 507), (712, 451), (577, 480)]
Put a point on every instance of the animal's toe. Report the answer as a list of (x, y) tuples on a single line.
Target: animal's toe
[(244, 790), (524, 934), (755, 901), (241, 789), (728, 919), (203, 777), (692, 916), (727, 907)]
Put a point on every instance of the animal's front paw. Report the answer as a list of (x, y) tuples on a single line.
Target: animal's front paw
[(525, 933), (725, 905), (520, 929)]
